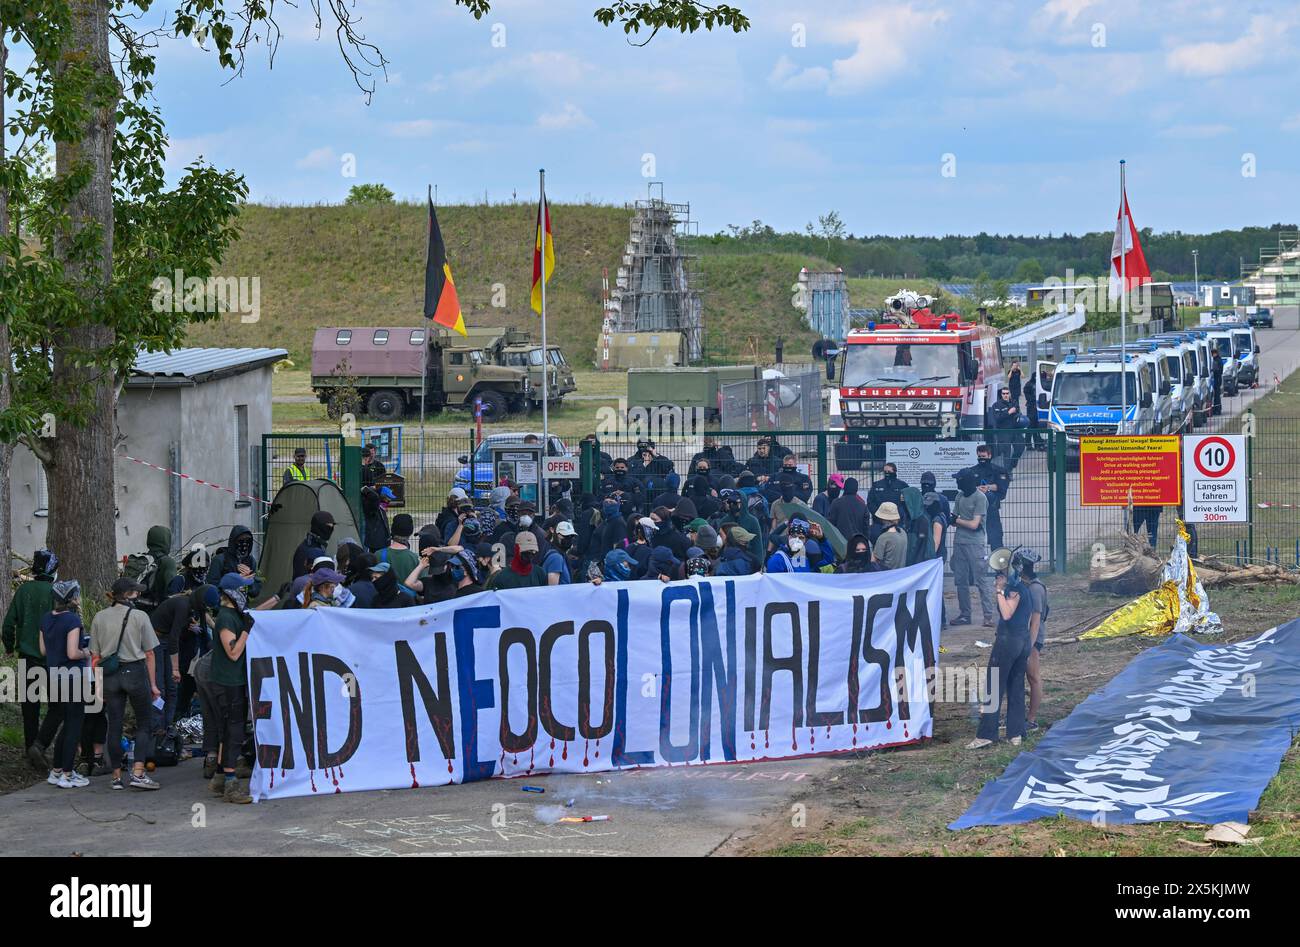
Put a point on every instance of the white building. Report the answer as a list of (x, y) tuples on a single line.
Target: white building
[(199, 411)]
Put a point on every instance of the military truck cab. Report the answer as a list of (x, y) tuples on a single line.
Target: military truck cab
[(516, 348), (381, 371)]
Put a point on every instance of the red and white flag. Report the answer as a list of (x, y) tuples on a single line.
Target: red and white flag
[(1128, 247)]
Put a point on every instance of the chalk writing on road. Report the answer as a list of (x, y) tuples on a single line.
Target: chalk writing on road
[(440, 833)]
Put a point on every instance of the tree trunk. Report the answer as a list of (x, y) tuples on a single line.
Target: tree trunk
[(6, 449), (82, 527)]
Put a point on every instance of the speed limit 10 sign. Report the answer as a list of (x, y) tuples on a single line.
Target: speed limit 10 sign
[(1214, 478)]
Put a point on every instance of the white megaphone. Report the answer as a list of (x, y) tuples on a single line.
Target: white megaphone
[(1000, 559)]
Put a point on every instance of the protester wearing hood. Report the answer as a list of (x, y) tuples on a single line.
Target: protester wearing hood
[(123, 642), (934, 509), (820, 559), (706, 537), (849, 512), (172, 621), (888, 489), (920, 535), (618, 566), (1008, 662), (655, 472), (158, 542), (236, 556), (522, 571), (735, 513), (663, 565), (834, 487), (433, 580), (791, 556), (643, 535), (970, 548), (389, 590), (194, 570), (859, 555), (736, 557), (360, 579), (702, 493), (672, 530), (228, 681), (67, 653), (22, 633), (929, 485), (890, 549), (318, 535)]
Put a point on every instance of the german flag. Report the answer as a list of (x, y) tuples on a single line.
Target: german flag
[(543, 253), (441, 304)]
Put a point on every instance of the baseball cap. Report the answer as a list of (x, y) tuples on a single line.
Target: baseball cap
[(526, 541), (743, 536), (233, 580), (697, 523), (647, 523), (458, 493), (124, 585), (483, 550), (381, 567), (325, 576), (387, 494), (837, 479), (565, 528)]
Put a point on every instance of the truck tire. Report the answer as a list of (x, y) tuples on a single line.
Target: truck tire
[(386, 405), (495, 406)]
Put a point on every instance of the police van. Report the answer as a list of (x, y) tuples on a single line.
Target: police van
[(1153, 366), (1200, 373), (1245, 352), (1086, 398), (1221, 338), (1180, 360)]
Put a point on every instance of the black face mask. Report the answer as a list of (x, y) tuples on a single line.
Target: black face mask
[(890, 475), (787, 492), (324, 531), (861, 553), (966, 485), (528, 557), (985, 460)]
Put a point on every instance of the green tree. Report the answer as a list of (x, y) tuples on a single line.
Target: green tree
[(76, 304), (369, 194), (1030, 271)]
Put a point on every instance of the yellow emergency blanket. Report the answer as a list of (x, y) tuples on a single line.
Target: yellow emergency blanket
[(1178, 605)]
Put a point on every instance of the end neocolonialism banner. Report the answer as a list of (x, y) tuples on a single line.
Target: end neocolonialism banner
[(584, 679)]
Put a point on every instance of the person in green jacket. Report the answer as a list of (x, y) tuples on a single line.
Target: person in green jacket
[(159, 543), (22, 633)]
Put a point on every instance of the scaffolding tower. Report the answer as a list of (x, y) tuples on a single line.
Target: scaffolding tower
[(658, 285), (1276, 277)]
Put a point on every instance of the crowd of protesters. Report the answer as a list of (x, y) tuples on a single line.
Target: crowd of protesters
[(173, 630)]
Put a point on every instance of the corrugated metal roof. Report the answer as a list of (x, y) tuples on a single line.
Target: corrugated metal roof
[(197, 365)]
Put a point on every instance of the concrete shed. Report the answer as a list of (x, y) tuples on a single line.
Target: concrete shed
[(198, 411)]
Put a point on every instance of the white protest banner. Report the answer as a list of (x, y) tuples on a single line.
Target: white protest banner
[(585, 678)]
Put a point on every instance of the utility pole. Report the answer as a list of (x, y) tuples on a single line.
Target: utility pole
[(1196, 275)]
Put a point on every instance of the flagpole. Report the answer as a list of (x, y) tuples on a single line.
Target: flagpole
[(424, 366), (546, 354), (1123, 298)]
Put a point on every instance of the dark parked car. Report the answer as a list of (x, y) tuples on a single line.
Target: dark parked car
[(1261, 318)]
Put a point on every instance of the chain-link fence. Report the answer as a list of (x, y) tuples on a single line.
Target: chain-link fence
[(792, 403)]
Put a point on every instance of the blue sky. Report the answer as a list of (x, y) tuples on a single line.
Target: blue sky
[(849, 105)]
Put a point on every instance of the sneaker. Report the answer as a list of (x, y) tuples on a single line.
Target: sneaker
[(959, 621), (36, 756), (117, 783), (217, 783), (978, 744), (54, 777), (990, 623), (1015, 741), (1032, 726), (209, 767), (235, 791), (83, 768), (72, 781), (143, 781)]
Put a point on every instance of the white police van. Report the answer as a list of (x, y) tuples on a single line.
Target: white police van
[(1086, 398), (1221, 338), (1180, 359), (1151, 364)]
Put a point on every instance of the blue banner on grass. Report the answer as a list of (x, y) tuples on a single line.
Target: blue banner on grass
[(1185, 733)]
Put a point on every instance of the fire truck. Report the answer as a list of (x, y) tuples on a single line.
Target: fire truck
[(916, 374)]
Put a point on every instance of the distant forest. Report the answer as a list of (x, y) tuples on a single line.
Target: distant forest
[(997, 257)]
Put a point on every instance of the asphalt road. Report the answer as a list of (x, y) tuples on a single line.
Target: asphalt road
[(669, 811)]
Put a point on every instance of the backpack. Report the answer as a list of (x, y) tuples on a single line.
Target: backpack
[(142, 567)]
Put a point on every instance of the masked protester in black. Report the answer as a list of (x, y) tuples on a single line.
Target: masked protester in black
[(313, 547), (858, 558), (888, 489)]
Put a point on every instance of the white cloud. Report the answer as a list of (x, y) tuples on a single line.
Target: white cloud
[(316, 158), (888, 41), (1263, 42), (567, 118), (545, 66)]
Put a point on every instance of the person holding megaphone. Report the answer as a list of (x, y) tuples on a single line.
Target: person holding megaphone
[(1009, 658)]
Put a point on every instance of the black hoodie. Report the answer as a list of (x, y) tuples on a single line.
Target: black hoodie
[(231, 556), (311, 548)]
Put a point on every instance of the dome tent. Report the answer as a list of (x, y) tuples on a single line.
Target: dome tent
[(289, 520)]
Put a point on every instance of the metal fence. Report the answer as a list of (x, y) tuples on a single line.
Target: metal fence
[(793, 403)]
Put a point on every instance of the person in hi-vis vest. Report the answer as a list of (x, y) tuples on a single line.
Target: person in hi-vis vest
[(298, 469)]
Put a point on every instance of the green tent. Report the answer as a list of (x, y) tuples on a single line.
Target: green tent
[(289, 520)]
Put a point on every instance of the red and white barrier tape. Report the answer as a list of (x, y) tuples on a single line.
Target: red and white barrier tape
[(177, 473)]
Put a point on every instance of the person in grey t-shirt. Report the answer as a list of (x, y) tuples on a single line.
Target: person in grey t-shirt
[(969, 550), (890, 551), (1024, 561)]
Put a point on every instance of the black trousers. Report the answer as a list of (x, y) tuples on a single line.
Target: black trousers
[(232, 715), (130, 684), (1005, 680), (73, 713)]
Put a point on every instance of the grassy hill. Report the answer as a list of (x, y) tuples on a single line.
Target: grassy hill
[(343, 265)]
